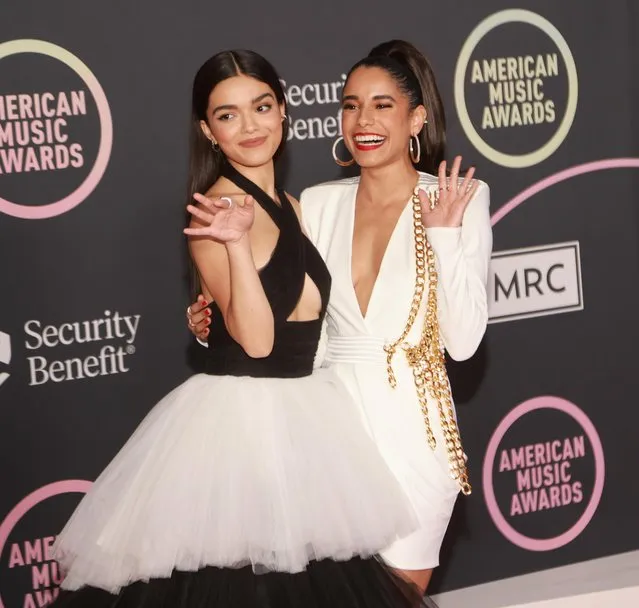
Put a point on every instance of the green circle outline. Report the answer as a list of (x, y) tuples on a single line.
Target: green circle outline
[(515, 161)]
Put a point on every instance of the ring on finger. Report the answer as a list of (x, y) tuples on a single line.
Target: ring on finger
[(228, 200), (189, 312)]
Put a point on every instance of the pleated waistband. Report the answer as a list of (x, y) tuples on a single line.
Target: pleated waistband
[(355, 349)]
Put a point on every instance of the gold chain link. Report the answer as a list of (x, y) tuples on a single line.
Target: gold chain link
[(426, 359)]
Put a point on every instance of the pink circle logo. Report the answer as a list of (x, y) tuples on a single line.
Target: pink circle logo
[(41, 118), (35, 554), (543, 474)]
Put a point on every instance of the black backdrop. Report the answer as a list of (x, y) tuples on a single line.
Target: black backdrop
[(93, 127)]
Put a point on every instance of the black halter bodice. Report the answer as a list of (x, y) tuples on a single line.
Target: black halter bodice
[(282, 279)]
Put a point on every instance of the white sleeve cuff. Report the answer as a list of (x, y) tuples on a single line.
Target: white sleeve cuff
[(444, 240)]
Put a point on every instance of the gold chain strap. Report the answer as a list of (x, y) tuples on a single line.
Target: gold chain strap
[(426, 359)]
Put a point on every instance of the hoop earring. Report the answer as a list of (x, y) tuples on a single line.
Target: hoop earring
[(215, 146), (341, 163), (414, 155)]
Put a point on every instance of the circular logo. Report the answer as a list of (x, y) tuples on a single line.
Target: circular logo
[(541, 492), (26, 543), (36, 132), (516, 107)]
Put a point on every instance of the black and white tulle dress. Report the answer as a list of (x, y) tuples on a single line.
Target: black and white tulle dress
[(253, 484)]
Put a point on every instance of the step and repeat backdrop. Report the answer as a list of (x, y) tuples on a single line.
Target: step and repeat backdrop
[(541, 96)]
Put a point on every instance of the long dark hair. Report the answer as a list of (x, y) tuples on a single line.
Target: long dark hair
[(415, 77), (205, 163)]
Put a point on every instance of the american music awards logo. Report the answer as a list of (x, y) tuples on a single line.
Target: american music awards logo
[(516, 88), (56, 130), (543, 473), (29, 576)]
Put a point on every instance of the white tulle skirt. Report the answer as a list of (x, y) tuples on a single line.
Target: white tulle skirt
[(236, 471)]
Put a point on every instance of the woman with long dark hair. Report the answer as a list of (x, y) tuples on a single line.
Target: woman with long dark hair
[(408, 244), (255, 483)]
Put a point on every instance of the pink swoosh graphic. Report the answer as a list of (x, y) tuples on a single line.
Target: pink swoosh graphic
[(597, 165)]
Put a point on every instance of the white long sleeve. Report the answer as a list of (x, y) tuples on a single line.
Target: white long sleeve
[(463, 258)]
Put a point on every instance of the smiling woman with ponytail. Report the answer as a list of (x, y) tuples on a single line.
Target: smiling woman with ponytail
[(408, 244)]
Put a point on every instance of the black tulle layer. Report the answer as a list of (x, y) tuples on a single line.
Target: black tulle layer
[(357, 583)]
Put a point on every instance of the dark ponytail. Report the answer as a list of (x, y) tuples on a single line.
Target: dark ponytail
[(414, 76)]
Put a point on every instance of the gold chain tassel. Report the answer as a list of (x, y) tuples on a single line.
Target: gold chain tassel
[(426, 359)]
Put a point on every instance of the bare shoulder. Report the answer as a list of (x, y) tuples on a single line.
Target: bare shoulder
[(223, 187), (293, 200), (296, 205)]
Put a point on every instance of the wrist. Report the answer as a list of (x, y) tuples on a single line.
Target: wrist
[(444, 239), (429, 221), (450, 225), (240, 244)]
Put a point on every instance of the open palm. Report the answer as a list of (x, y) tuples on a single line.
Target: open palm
[(222, 219), (446, 208)]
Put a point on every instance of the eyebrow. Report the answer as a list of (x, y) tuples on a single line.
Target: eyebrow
[(254, 101), (375, 97)]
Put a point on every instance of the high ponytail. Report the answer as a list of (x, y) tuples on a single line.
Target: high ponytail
[(414, 75)]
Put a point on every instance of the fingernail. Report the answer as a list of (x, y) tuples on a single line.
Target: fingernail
[(205, 303), (207, 312), (208, 321), (206, 331)]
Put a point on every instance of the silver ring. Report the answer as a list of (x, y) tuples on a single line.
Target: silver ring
[(189, 312), (228, 200)]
